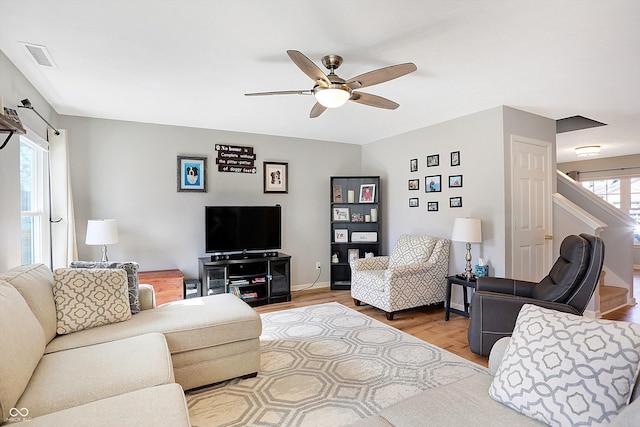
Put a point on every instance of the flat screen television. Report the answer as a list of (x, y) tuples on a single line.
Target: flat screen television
[(242, 228)]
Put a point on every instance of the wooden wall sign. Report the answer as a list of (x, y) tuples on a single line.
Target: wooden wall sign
[(235, 159)]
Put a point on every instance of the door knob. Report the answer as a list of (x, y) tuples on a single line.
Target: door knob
[(548, 237)]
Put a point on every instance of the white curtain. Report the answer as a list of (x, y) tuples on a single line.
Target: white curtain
[(63, 233)]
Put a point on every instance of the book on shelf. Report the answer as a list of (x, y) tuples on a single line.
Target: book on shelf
[(239, 282), (249, 295), (259, 280)]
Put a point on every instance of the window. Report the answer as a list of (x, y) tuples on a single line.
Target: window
[(623, 193), (34, 203)]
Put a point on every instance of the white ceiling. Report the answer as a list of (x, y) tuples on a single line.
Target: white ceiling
[(189, 62)]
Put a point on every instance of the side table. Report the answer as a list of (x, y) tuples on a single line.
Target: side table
[(167, 284), (455, 280)]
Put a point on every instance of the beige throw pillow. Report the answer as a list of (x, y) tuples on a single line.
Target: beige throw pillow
[(86, 298)]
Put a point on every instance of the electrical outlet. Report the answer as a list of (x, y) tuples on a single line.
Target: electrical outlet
[(318, 265)]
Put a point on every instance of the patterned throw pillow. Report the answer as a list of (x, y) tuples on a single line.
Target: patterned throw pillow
[(132, 276), (411, 249), (86, 298), (564, 369)]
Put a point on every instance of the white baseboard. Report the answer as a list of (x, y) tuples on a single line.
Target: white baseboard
[(307, 286)]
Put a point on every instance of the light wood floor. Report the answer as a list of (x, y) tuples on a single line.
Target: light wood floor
[(427, 324)]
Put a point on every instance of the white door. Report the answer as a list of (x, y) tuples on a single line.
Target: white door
[(531, 176)]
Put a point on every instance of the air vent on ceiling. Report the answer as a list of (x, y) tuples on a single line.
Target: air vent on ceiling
[(569, 124), (39, 54)]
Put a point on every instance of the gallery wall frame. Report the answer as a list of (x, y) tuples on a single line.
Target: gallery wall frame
[(455, 158), (414, 202), (433, 160), (455, 202), (432, 206), (414, 184), (192, 174), (455, 181), (432, 183)]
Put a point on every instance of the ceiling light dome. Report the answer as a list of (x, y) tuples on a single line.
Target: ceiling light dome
[(333, 96), (588, 151)]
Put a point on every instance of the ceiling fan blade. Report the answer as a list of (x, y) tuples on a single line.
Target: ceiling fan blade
[(381, 75), (317, 110), (373, 100), (280, 92), (308, 67)]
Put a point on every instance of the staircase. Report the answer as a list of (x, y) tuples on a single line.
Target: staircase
[(577, 210), (611, 297)]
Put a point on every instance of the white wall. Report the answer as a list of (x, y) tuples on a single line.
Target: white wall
[(127, 171), (13, 88)]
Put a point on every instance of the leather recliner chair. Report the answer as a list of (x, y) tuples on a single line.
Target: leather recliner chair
[(568, 287)]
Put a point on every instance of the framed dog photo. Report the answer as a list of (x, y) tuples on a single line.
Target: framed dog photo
[(432, 183), (192, 174), (414, 184), (276, 177)]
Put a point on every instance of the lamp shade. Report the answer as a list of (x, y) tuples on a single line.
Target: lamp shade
[(467, 230), (102, 232)]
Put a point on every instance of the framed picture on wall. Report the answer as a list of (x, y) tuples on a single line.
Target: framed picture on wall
[(414, 184), (432, 206), (433, 160), (192, 174), (455, 181), (432, 183), (455, 158), (413, 165), (455, 202), (413, 202), (276, 177)]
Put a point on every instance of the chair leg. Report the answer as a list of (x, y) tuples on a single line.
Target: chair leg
[(357, 302), (389, 315)]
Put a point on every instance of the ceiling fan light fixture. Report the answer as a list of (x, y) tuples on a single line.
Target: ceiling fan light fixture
[(588, 151), (331, 97)]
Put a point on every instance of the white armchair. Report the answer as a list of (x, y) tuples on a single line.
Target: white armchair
[(413, 275)]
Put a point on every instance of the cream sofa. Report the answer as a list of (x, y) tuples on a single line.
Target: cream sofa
[(106, 374)]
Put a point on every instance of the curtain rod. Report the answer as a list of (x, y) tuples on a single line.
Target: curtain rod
[(609, 170)]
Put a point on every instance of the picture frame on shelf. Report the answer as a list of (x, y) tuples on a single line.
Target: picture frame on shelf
[(357, 217), (337, 193), (455, 181), (12, 115), (367, 193), (341, 235), (413, 165), (414, 184), (414, 202), (276, 177), (455, 158), (432, 184), (455, 202), (433, 160), (432, 206), (341, 214), (353, 254), (192, 174)]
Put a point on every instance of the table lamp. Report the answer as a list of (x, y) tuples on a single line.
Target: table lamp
[(468, 230), (102, 232)]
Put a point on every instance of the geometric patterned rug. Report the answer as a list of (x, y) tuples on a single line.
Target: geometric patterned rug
[(326, 365)]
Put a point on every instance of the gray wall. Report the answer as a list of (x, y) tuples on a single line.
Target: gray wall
[(13, 88), (127, 171)]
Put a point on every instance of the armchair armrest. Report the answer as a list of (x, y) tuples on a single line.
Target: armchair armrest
[(505, 286), (373, 263), (409, 270), (147, 296), (497, 354)]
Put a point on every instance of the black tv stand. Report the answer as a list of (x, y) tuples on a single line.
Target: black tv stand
[(256, 277)]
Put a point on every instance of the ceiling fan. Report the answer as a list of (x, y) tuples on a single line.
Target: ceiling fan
[(332, 91)]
